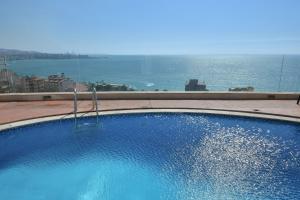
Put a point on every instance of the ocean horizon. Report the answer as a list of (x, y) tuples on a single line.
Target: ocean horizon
[(170, 72)]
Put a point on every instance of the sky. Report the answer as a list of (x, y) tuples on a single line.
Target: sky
[(151, 26)]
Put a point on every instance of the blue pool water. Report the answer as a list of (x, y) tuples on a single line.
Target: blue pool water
[(152, 156)]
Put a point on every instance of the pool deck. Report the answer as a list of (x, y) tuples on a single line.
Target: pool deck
[(17, 111)]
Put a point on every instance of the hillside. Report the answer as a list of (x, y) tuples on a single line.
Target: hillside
[(14, 54)]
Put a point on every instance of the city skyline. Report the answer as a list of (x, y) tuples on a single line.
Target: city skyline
[(156, 27)]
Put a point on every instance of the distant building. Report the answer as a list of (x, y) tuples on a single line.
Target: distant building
[(10, 81), (33, 84), (54, 83), (195, 85), (5, 80), (59, 83)]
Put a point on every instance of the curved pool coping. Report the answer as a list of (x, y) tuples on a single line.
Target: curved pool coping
[(139, 111)]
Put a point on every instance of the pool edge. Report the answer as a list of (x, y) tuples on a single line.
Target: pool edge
[(163, 110)]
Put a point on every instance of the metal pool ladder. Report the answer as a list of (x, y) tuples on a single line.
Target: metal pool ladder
[(95, 105), (75, 106)]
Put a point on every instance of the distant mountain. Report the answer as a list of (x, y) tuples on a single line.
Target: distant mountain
[(14, 54), (15, 51)]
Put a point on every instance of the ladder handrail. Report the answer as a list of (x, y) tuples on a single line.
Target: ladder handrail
[(95, 102), (75, 105)]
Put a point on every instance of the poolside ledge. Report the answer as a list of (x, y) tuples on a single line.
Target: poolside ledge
[(24, 106), (151, 95)]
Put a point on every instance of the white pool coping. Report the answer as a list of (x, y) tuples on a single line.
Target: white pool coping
[(137, 111)]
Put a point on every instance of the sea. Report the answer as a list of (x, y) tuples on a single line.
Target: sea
[(171, 72)]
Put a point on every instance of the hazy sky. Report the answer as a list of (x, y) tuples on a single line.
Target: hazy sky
[(151, 26)]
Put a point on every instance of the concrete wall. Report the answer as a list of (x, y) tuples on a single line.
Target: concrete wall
[(150, 95)]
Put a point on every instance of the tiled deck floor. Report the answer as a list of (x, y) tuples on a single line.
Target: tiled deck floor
[(16, 111)]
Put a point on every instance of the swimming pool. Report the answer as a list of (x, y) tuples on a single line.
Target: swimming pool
[(152, 156)]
